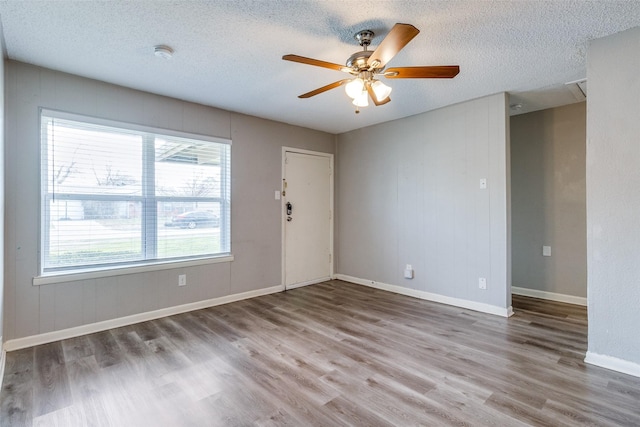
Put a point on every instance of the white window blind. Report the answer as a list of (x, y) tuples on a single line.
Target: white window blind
[(115, 194)]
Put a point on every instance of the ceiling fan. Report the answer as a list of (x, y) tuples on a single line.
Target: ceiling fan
[(367, 65)]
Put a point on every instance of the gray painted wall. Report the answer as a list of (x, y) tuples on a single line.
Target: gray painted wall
[(2, 208), (548, 203), (255, 234), (613, 195), (408, 193)]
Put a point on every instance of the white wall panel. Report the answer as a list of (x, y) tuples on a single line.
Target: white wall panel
[(46, 316), (613, 199), (409, 190), (67, 295), (410, 207), (135, 294), (26, 308), (256, 242), (2, 197), (88, 301), (255, 235), (199, 119), (106, 298), (166, 113)]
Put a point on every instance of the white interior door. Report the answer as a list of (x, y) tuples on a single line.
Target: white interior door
[(308, 223)]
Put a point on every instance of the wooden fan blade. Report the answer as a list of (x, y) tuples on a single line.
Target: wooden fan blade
[(324, 88), (316, 62), (398, 37), (435, 72), (372, 95)]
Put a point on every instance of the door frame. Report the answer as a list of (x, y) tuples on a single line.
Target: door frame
[(330, 156)]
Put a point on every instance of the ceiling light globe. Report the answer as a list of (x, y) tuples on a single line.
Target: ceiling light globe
[(381, 90), (354, 88), (362, 100)]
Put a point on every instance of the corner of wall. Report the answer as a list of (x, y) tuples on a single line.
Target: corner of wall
[(613, 363), (3, 360), (613, 201), (2, 190)]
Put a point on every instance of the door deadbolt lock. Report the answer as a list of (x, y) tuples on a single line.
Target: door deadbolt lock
[(289, 219)]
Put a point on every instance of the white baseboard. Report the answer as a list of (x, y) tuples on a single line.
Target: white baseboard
[(310, 282), (613, 363), (457, 302), (17, 344), (552, 296)]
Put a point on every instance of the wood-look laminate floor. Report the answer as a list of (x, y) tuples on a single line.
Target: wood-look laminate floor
[(329, 355)]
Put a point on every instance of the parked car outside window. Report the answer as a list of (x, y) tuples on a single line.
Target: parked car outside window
[(194, 219)]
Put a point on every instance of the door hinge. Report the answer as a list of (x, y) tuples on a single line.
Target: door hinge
[(329, 258)]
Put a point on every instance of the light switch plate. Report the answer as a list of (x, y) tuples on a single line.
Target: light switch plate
[(546, 251), (483, 183)]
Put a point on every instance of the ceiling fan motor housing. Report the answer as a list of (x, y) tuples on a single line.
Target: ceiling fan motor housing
[(364, 37), (358, 60)]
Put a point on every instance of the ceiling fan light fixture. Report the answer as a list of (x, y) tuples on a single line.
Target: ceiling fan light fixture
[(362, 100), (354, 88), (381, 90), (364, 66)]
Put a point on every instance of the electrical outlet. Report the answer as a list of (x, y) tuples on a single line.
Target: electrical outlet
[(182, 280), (482, 283), (408, 272)]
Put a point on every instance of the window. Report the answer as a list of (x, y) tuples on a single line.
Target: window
[(115, 194)]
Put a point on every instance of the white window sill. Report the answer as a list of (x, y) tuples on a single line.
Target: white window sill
[(109, 272)]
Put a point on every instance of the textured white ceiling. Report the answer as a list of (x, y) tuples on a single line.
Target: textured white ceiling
[(228, 53)]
